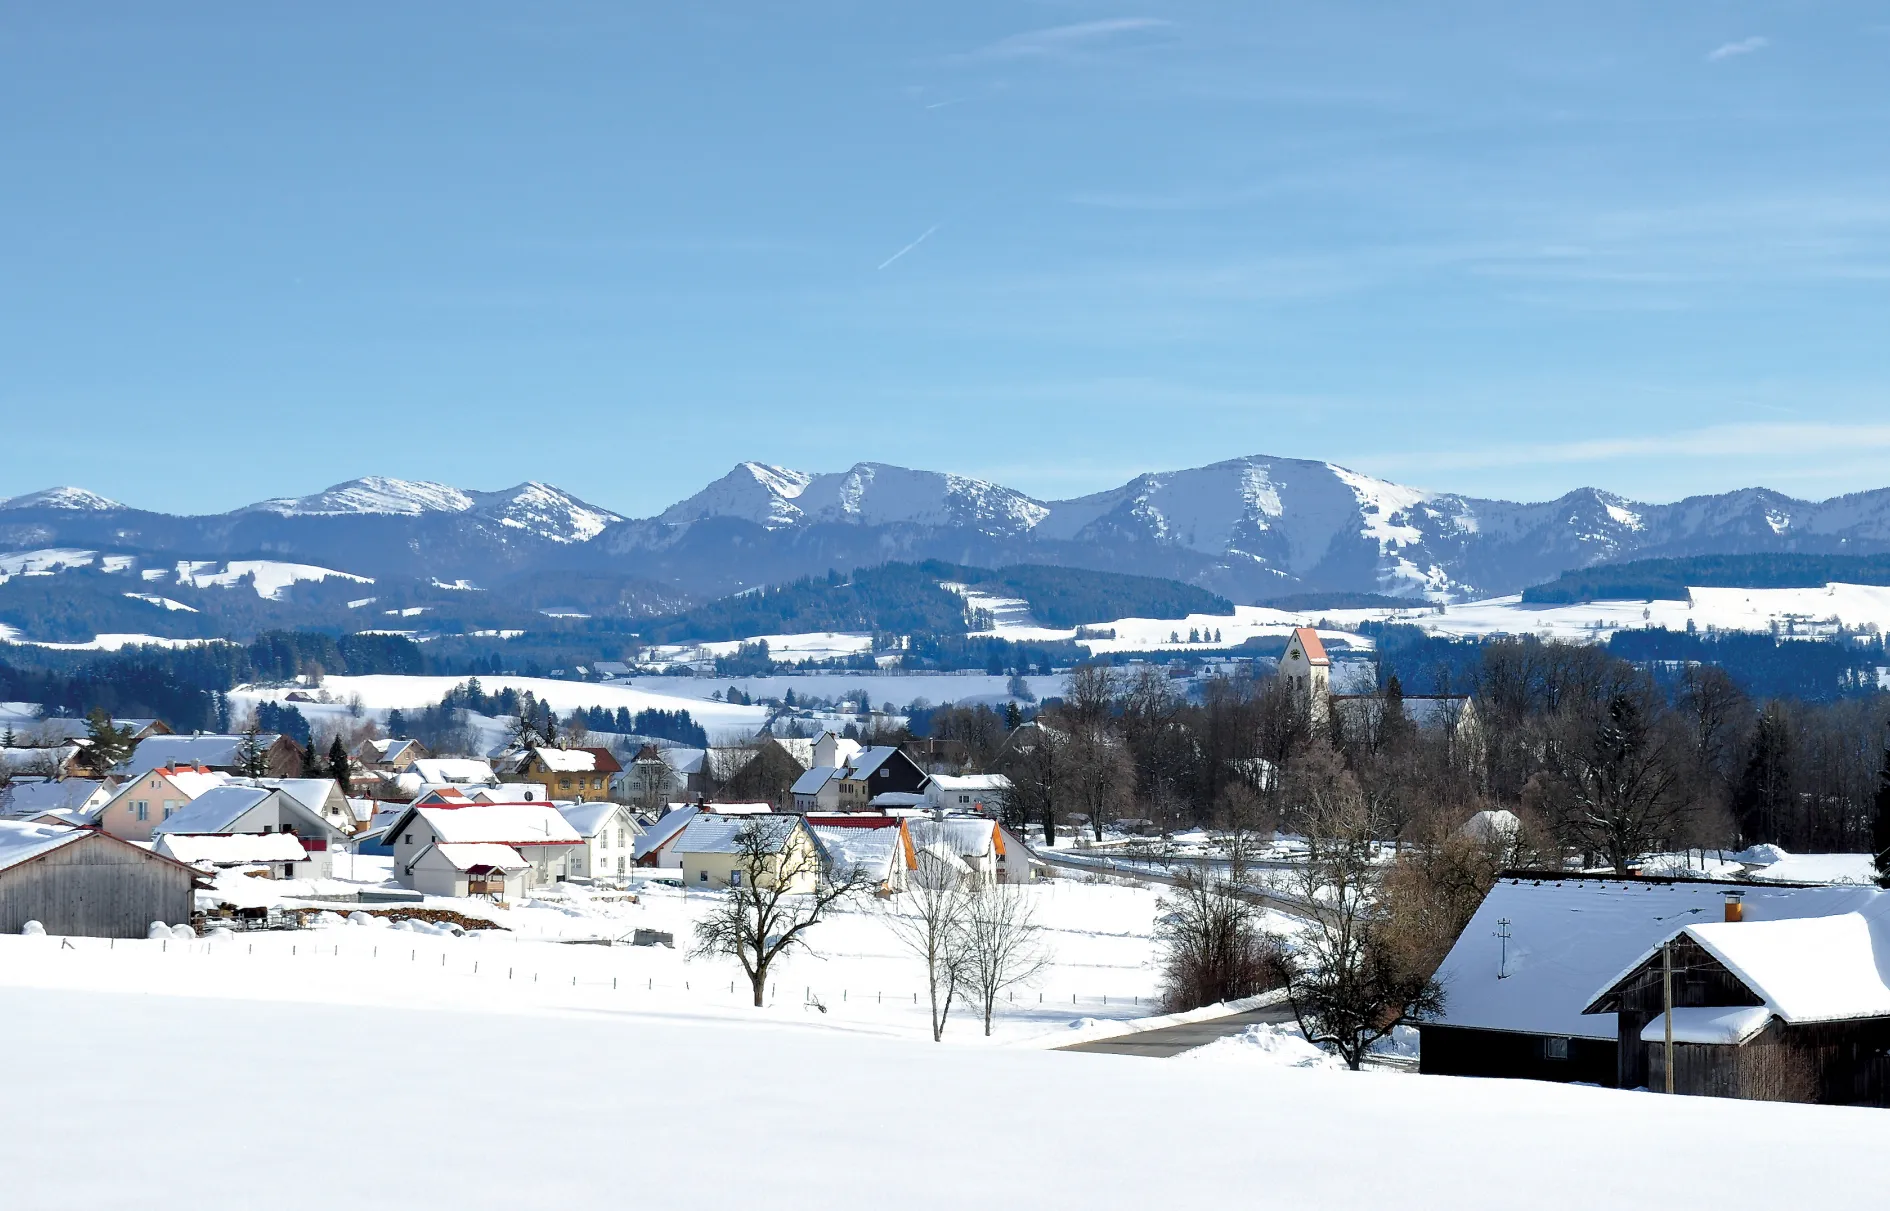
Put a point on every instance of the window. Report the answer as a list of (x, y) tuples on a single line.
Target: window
[(619, 865), (1555, 1049), (143, 808), (734, 878), (168, 810), (702, 876), (407, 840)]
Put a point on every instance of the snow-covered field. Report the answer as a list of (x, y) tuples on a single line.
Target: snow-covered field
[(209, 1100), (890, 686)]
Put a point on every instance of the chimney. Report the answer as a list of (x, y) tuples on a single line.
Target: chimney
[(1735, 906)]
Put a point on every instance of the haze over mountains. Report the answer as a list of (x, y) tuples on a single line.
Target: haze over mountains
[(1253, 529)]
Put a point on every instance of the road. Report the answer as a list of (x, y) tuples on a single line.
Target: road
[(1168, 1041)]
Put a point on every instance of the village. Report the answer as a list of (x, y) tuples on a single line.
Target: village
[(725, 871)]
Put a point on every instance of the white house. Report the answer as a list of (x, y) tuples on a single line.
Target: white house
[(535, 830), (496, 872), (878, 849), (711, 852), (320, 795), (974, 794), (610, 834), (991, 853)]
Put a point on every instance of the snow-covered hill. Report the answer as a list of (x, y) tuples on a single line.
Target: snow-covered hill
[(868, 494), (535, 508)]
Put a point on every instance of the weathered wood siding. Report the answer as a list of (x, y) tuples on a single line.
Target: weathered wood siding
[(1458, 1051), (97, 887)]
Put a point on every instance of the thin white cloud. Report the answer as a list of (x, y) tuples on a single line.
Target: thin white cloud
[(909, 247), (1065, 39), (1732, 50), (1759, 440)]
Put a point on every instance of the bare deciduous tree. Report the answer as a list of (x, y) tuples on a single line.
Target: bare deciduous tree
[(1002, 943), (930, 920), (782, 890)]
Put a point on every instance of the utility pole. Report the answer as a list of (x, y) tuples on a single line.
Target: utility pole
[(1666, 996), (1502, 963)]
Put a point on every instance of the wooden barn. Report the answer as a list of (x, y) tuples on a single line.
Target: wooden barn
[(84, 883), (1791, 1010), (1542, 948)]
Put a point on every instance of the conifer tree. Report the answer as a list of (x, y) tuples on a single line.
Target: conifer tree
[(1880, 824), (338, 768), (311, 760), (110, 745)]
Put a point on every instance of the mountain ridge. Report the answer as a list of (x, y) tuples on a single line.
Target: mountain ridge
[(1250, 528)]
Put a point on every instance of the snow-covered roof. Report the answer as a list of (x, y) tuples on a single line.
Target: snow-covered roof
[(311, 793), (1571, 938), (799, 748), (502, 823), (862, 764), (212, 751), (191, 782), (967, 837), (874, 850), (30, 798), (232, 849), (990, 784), (1710, 1025), (459, 771), (663, 830), (469, 856), (713, 834), (810, 782), (1821, 969), (21, 841), (890, 799), (215, 810), (1491, 826), (576, 760), (587, 818)]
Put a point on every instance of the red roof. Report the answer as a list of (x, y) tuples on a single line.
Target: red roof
[(1309, 640)]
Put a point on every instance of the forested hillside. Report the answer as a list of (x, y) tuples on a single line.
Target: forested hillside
[(1668, 579)]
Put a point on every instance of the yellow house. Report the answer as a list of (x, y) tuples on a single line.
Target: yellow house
[(582, 774), (715, 854)]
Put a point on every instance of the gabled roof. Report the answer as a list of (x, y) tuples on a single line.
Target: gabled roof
[(24, 798), (967, 837), (462, 771), (576, 760), (1309, 643), (215, 810), (213, 751), (810, 782), (1570, 938), (1807, 969), (515, 824), (876, 847), (588, 818), (232, 849), (665, 829), (22, 842), (864, 763), (311, 793), (712, 834)]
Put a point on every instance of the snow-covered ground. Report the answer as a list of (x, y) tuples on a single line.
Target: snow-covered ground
[(1099, 937), (382, 693), (811, 645), (460, 1105), (271, 576)]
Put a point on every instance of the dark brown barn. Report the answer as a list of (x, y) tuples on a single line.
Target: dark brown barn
[(1790, 1010), (82, 883)]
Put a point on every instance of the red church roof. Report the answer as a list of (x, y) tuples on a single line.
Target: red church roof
[(1309, 641)]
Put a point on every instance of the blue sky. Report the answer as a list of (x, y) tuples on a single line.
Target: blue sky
[(251, 250)]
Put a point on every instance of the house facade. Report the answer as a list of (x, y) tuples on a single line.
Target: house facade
[(582, 774), (710, 851), (610, 834), (84, 883), (153, 797)]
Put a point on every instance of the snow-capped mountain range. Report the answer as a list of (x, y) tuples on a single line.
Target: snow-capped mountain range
[(1253, 528)]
